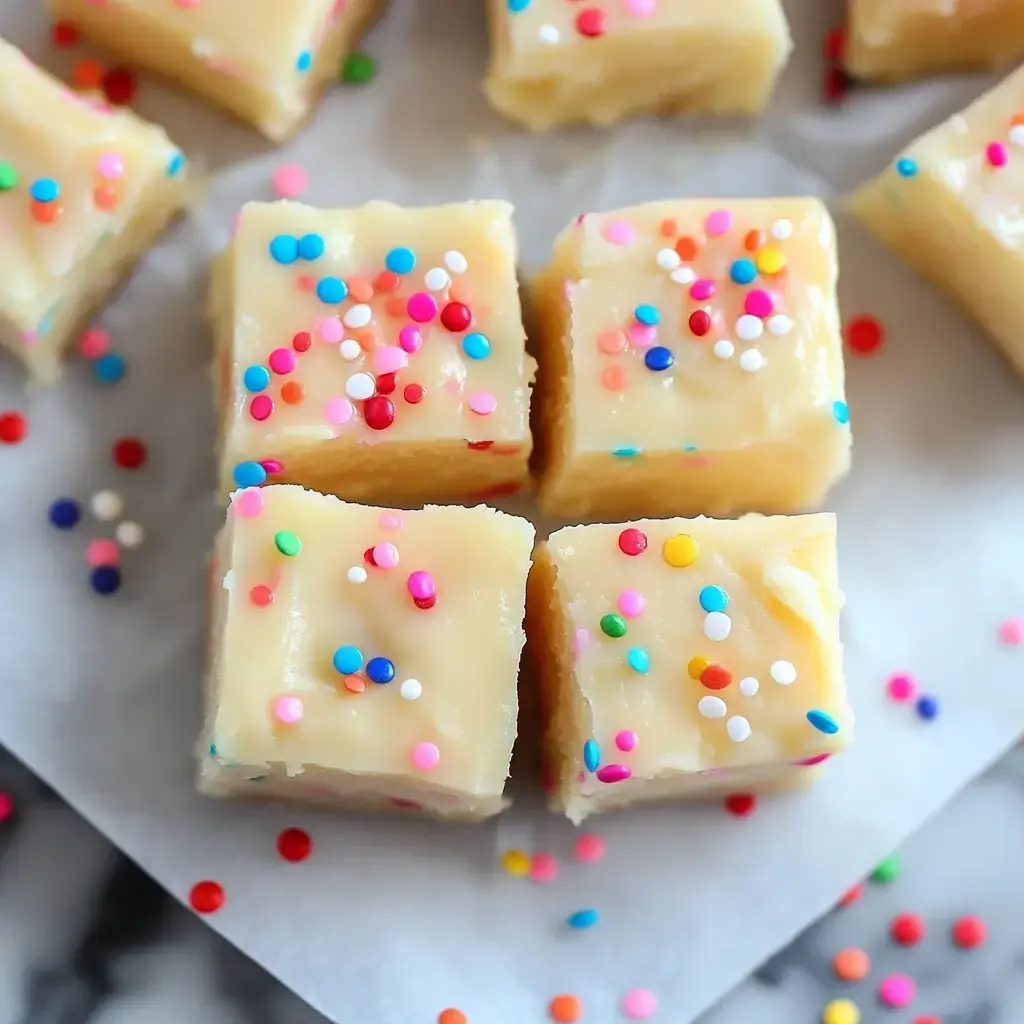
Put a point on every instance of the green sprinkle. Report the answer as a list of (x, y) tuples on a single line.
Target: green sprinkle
[(358, 69), (888, 871), (287, 543), (8, 176), (613, 625)]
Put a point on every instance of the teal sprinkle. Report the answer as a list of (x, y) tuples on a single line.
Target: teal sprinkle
[(583, 919), (905, 167), (626, 452), (823, 722), (690, 448), (639, 660), (841, 411), (213, 750), (591, 755)]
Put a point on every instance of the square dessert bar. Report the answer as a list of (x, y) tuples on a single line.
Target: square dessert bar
[(376, 353), (364, 657), (264, 60), (554, 61), (684, 658), (950, 206), (894, 39), (691, 361), (84, 191)]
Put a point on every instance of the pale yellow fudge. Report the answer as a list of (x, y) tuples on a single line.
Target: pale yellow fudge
[(894, 39), (598, 60), (376, 353), (364, 657), (691, 361), (686, 658), (265, 61), (950, 205), (84, 191)]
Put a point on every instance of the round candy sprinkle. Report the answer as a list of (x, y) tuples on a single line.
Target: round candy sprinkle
[(516, 863), (101, 552), (294, 845), (927, 707), (738, 729), (452, 1016), (476, 345), (354, 684), (823, 721), (717, 626), (997, 154), (360, 386), (357, 574), (129, 453), (783, 673), (425, 756), (626, 740), (699, 322), (713, 599), (385, 555), (347, 660), (583, 919), (289, 181), (639, 660), (413, 393), (331, 290), (105, 579), (109, 368), (632, 542), (288, 710), (13, 428), (421, 307), (65, 513), (613, 625), (261, 596), (741, 804), (411, 689), (749, 686), (695, 666), (283, 360), (456, 317), (887, 871), (639, 1004), (897, 991), (751, 361), (591, 755), (906, 929), (712, 707), (864, 335), (613, 773), (106, 505), (400, 260), (589, 849), (840, 1011), (421, 585), (543, 867), (851, 895), (379, 412), (302, 341), (256, 378), (841, 412), (284, 249), (632, 603), (565, 1009), (44, 190), (647, 314), (1011, 632), (743, 271), (358, 69), (680, 551), (969, 931), (249, 474), (901, 687), (715, 677), (658, 358), (8, 176), (94, 342), (851, 964), (206, 897), (311, 247), (287, 543), (380, 670)]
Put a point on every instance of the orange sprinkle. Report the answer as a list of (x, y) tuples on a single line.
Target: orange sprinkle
[(716, 677), (1016, 120), (305, 283), (611, 342), (461, 291), (387, 282), (105, 197), (613, 378), (669, 227), (292, 392), (354, 684), (451, 1016), (754, 240), (367, 338), (565, 1009), (360, 289), (851, 964), (46, 213), (396, 306), (87, 74), (687, 248)]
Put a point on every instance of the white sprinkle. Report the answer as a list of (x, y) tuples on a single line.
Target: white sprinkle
[(350, 350), (1017, 134), (456, 262), (782, 229), (749, 686), (360, 386), (751, 360), (549, 35), (358, 315), (749, 328), (357, 574), (436, 279), (668, 259), (783, 672), (683, 275), (724, 348), (712, 707), (717, 626), (129, 534), (738, 728), (106, 505), (411, 689), (228, 583), (780, 324)]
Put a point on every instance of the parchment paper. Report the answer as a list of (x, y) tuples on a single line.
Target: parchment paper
[(393, 919)]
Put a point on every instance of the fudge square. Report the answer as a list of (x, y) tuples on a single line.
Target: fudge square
[(376, 353), (84, 191), (950, 206), (691, 361), (554, 61), (684, 658), (894, 39), (365, 657), (263, 60)]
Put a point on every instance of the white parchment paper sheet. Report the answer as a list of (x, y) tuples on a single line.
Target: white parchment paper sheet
[(393, 919)]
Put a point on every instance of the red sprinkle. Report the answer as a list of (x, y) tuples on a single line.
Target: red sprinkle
[(413, 393), (479, 446), (907, 929), (129, 453), (302, 341), (386, 384), (835, 85), (969, 931), (378, 412), (6, 806), (591, 22), (425, 603), (928, 1018), (261, 596), (294, 844), (851, 895), (13, 428), (206, 897), (632, 541), (741, 804), (119, 85), (64, 34), (456, 317), (368, 557), (864, 335), (835, 44), (700, 322)]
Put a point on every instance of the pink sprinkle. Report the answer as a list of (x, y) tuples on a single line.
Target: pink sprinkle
[(997, 154), (290, 181), (6, 806), (101, 552), (422, 307), (718, 223), (897, 991), (410, 338), (613, 773), (639, 1004), (619, 232), (632, 603), (248, 503), (810, 762), (589, 849), (330, 329), (110, 166), (261, 408), (642, 335), (625, 740), (641, 8), (283, 360), (425, 756), (389, 359), (390, 521), (187, 3), (272, 466), (580, 641), (385, 555), (288, 710), (702, 289), (1012, 632), (338, 411), (758, 303), (901, 687), (94, 342), (543, 867), (421, 585), (483, 403)]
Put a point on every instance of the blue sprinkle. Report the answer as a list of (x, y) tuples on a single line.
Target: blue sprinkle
[(65, 513), (823, 722), (105, 579), (476, 345), (841, 411), (46, 324), (311, 247), (109, 368), (400, 260), (743, 271), (516, 6), (284, 249), (348, 660), (175, 164), (44, 190), (583, 919), (249, 474), (626, 452), (380, 670), (647, 315), (591, 755), (905, 167), (331, 289), (658, 358), (690, 448), (256, 378), (305, 61), (714, 599), (639, 660), (927, 707), (213, 750)]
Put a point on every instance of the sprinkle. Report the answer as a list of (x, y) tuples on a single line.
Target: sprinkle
[(175, 164), (304, 61), (717, 626), (713, 599), (543, 867), (712, 707), (436, 279), (331, 290), (360, 386), (840, 1011), (906, 167), (589, 848), (110, 166), (997, 154), (715, 677), (456, 262), (109, 368), (413, 393), (422, 307), (288, 710), (639, 1004), (743, 271), (425, 756), (311, 247), (6, 806), (724, 348), (591, 755), (618, 232), (626, 740), (248, 502), (658, 358), (101, 552), (782, 229), (105, 579), (632, 542), (823, 721), (783, 673), (400, 261), (256, 378), (906, 929), (379, 411), (683, 275), (647, 314), (411, 689), (421, 585), (864, 335), (613, 773), (350, 350), (718, 223), (64, 34), (770, 261), (358, 69), (887, 871), (516, 863), (758, 303), (565, 1009), (106, 505), (749, 328), (702, 290), (901, 687), (738, 729), (699, 322), (8, 176), (841, 412), (1011, 632), (927, 707), (483, 403), (749, 686), (897, 991), (740, 804), (380, 670), (261, 596), (302, 341), (65, 513), (851, 964), (289, 181), (639, 660), (667, 259), (13, 428), (206, 897), (284, 249), (969, 931), (94, 342), (632, 603), (780, 325), (695, 666), (338, 411), (357, 316), (583, 919), (680, 551), (294, 845), (44, 190), (385, 555), (851, 895), (287, 543), (613, 625), (549, 35)]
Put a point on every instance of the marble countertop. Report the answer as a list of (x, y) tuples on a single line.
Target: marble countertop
[(85, 936)]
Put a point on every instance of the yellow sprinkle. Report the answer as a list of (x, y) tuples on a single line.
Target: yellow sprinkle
[(770, 261), (680, 551), (696, 666), (516, 863), (840, 1011)]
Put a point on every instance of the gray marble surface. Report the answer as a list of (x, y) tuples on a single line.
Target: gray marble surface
[(85, 936)]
